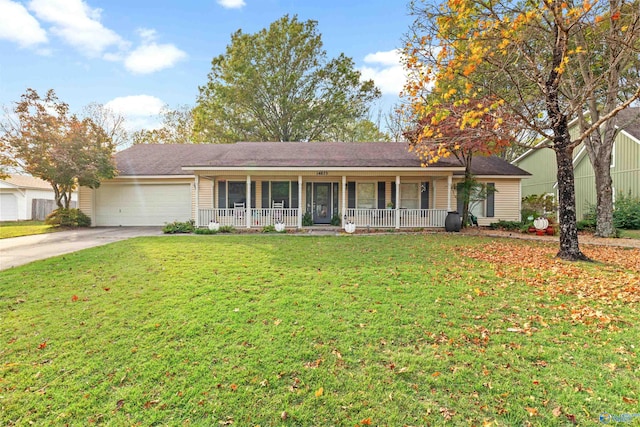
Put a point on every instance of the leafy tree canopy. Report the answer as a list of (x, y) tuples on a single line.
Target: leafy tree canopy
[(43, 139), (279, 85), (177, 128)]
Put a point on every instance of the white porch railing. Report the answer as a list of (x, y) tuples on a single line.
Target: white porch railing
[(386, 218), (378, 218), (259, 217)]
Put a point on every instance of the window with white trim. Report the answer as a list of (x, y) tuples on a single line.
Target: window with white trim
[(366, 195), (410, 195)]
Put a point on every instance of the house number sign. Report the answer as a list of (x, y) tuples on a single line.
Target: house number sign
[(322, 173)]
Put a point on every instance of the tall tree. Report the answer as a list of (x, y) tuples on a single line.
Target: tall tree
[(608, 63), (177, 128), (111, 122), (363, 130), (278, 85), (520, 54), (48, 142)]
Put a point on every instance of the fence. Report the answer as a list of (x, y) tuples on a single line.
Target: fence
[(40, 208)]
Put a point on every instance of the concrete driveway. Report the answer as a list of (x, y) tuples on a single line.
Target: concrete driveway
[(23, 250)]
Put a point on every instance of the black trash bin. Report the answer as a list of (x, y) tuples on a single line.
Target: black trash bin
[(452, 222)]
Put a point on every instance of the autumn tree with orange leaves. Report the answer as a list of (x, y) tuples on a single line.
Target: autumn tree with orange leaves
[(526, 56), (462, 135), (43, 139)]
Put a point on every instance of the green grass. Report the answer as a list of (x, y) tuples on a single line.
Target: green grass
[(392, 330), (23, 228), (630, 234)]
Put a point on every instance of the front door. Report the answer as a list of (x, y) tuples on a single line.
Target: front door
[(322, 203)]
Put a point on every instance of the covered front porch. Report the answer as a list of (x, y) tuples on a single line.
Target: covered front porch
[(257, 201)]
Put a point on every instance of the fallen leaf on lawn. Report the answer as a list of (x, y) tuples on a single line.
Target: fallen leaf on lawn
[(119, 404), (42, 345), (284, 415), (629, 400), (366, 422), (447, 413), (150, 403), (319, 392), (557, 411), (74, 298), (531, 411), (234, 387)]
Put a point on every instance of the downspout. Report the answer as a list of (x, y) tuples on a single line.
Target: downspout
[(449, 185)]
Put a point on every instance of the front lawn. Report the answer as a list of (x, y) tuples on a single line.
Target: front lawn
[(630, 234), (269, 330), (23, 228)]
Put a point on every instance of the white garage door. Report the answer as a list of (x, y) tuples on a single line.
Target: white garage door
[(8, 207), (128, 204)]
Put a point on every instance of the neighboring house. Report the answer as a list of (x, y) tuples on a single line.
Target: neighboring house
[(625, 166), (256, 184), (23, 197)]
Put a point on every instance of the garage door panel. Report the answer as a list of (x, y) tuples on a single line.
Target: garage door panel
[(8, 207), (129, 205)]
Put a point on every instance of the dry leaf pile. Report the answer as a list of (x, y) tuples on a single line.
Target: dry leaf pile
[(613, 279)]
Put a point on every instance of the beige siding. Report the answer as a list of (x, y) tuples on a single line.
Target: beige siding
[(85, 201), (507, 201), (440, 186)]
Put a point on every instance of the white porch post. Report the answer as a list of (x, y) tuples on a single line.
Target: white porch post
[(299, 201), (248, 207), (197, 222), (449, 185), (344, 200), (397, 201)]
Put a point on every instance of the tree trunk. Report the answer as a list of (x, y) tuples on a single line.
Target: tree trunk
[(569, 249), (604, 194), (600, 147)]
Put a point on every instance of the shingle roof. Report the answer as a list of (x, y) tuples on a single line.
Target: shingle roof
[(169, 159), (629, 120), (28, 181)]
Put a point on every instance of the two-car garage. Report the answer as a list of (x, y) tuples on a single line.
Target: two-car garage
[(141, 204)]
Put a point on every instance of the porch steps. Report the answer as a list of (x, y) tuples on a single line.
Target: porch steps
[(323, 230)]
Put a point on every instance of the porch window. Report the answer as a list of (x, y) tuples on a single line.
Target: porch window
[(481, 208), (230, 192), (279, 191), (237, 193), (366, 195), (410, 195)]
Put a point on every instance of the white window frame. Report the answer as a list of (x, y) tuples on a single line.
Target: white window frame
[(374, 203), (417, 198)]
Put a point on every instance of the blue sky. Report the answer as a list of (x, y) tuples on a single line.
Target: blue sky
[(136, 56)]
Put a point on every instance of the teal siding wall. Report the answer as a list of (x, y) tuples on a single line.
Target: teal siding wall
[(541, 164), (626, 170)]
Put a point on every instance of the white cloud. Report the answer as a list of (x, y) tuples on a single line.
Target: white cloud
[(150, 56), (139, 111), (78, 24), (386, 71), (17, 25), (232, 4)]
